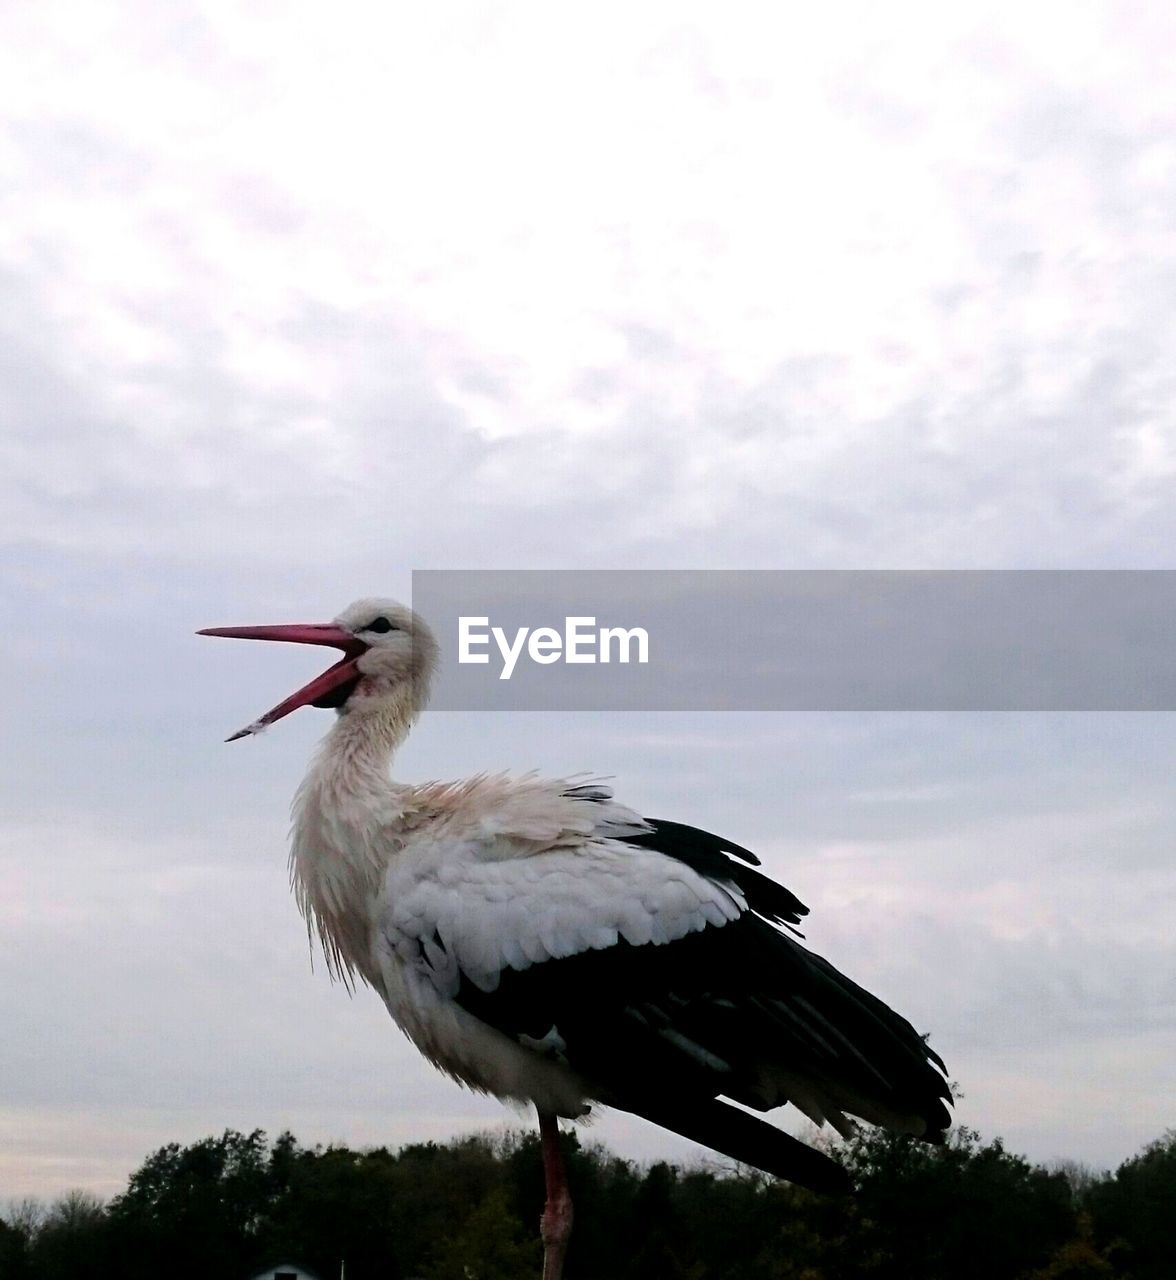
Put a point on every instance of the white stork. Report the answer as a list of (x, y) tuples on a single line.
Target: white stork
[(538, 941)]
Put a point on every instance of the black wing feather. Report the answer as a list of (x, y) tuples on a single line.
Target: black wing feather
[(724, 1128), (711, 856), (740, 1010)]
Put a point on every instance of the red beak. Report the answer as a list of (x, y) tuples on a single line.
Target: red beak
[(319, 690)]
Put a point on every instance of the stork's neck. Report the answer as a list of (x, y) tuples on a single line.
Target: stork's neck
[(355, 757), (345, 817)]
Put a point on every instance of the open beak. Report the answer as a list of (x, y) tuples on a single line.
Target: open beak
[(327, 690)]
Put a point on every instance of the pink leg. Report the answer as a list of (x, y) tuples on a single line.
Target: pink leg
[(556, 1224)]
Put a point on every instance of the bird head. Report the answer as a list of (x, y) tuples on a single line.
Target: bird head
[(388, 657)]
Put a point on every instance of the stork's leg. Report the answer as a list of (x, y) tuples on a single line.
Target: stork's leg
[(556, 1224)]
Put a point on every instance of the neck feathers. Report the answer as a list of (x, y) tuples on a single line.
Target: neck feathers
[(355, 756), (344, 831)]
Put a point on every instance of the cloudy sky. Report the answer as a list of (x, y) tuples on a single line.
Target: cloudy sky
[(296, 299)]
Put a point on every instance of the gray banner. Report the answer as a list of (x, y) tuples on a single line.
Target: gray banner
[(697, 640)]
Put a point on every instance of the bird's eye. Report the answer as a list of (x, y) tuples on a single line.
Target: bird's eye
[(381, 625)]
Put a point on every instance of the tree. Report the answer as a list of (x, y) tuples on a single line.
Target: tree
[(1134, 1212), (70, 1240), (194, 1211), (965, 1209), (469, 1209), (13, 1252), (1078, 1259), (491, 1244)]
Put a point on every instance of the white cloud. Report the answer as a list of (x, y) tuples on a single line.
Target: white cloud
[(292, 304)]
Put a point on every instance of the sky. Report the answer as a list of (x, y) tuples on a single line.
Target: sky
[(296, 300)]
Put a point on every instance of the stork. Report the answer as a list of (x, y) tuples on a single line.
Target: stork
[(539, 941)]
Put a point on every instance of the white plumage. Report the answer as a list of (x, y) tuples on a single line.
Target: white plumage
[(541, 942), (421, 886)]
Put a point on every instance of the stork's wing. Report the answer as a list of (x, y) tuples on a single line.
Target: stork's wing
[(657, 967)]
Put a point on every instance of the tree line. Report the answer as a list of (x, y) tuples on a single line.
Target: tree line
[(224, 1207)]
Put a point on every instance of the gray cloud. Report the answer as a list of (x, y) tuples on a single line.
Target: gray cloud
[(287, 313)]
